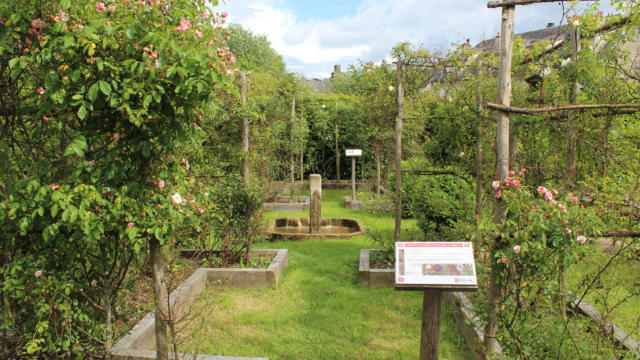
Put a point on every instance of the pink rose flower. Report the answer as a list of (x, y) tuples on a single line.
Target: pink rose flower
[(130, 224), (516, 249), (161, 184), (112, 8), (495, 185), (204, 15), (505, 260), (581, 239), (176, 198), (199, 34), (521, 172), (38, 273), (498, 194), (38, 23), (184, 25), (40, 90), (575, 200), (100, 7), (542, 189), (516, 183), (511, 172)]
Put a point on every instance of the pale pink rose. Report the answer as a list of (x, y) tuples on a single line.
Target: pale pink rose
[(516, 183), (38, 273), (192, 201), (508, 182), (176, 198), (498, 194), (204, 15), (575, 200), (229, 72), (495, 185), (511, 172), (516, 249), (130, 224), (100, 7), (542, 189), (38, 23), (548, 196), (581, 239), (201, 210), (161, 184), (224, 14), (521, 172), (553, 202), (569, 231), (199, 34), (111, 8), (184, 25)]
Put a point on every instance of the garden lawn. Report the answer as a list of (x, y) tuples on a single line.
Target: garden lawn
[(318, 311)]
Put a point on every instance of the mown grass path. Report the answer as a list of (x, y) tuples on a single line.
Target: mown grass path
[(318, 310)]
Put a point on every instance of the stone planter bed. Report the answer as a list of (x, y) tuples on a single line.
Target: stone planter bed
[(352, 204), (287, 203), (136, 344), (469, 323), (298, 229)]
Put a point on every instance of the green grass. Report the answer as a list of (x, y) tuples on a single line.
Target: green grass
[(617, 295), (318, 311)]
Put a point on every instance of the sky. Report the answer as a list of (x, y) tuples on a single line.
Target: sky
[(313, 35)]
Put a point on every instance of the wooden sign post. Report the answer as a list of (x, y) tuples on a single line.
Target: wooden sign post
[(353, 154), (434, 267)]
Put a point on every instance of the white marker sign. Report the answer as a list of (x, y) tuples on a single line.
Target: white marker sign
[(437, 264), (354, 152)]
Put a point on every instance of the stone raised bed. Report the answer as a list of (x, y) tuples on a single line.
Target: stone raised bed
[(287, 203), (374, 277), (469, 323), (623, 339), (298, 229), (136, 344), (352, 204)]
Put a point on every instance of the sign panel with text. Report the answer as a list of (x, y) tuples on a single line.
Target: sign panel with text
[(435, 265), (353, 152)]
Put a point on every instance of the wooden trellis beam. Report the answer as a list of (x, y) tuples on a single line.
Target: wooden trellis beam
[(534, 111), (497, 4)]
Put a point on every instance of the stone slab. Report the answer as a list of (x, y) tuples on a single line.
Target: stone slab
[(135, 344), (352, 204)]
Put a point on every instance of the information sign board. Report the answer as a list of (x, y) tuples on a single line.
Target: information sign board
[(354, 152), (435, 265)]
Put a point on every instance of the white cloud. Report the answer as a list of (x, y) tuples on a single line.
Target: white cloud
[(313, 46)]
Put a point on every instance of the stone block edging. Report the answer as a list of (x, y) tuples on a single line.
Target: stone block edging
[(287, 206), (374, 277), (303, 224), (352, 204), (622, 338), (135, 345)]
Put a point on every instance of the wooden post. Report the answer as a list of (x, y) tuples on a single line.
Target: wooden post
[(573, 99), (245, 128), (398, 150), (353, 179), (302, 148), (337, 148), (291, 154), (162, 300), (378, 172), (502, 164), (478, 133), (430, 333)]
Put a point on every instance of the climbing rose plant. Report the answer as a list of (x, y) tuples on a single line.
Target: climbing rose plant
[(96, 96)]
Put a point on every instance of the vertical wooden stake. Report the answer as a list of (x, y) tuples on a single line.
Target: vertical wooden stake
[(502, 165), (430, 335), (573, 99), (337, 148), (353, 179), (302, 148), (245, 128), (291, 154), (478, 172), (378, 172), (398, 150)]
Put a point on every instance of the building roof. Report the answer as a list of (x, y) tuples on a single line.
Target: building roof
[(550, 33)]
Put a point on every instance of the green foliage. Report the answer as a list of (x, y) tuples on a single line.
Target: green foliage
[(254, 52)]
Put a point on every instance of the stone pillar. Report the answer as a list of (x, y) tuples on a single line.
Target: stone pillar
[(315, 213), (315, 184)]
